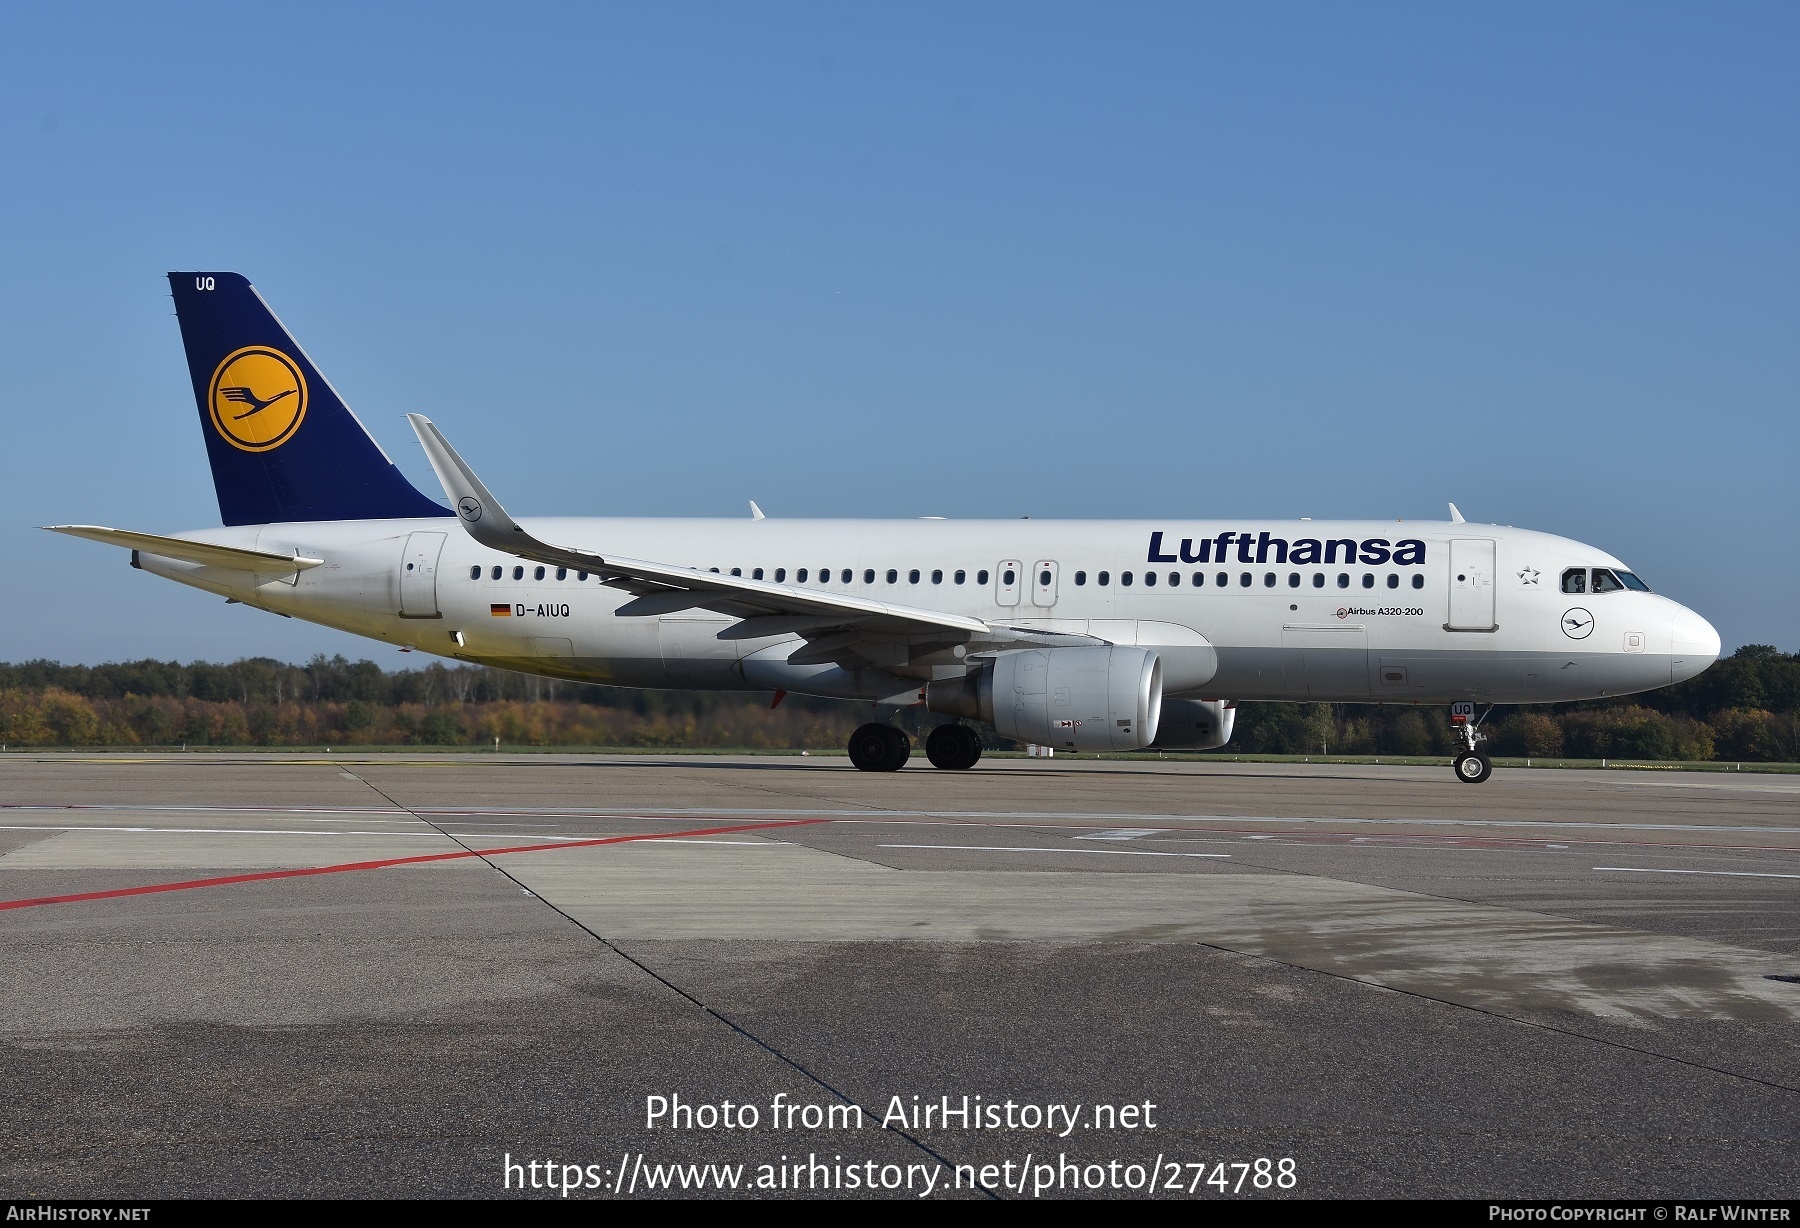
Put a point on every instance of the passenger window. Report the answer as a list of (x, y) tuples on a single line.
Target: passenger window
[(582, 575), (1174, 579), (1318, 579), (1419, 581), (1008, 578), (868, 575), (800, 576), (847, 575), (1244, 580), (1393, 581), (475, 572), (1268, 579), (538, 573), (1368, 580), (1125, 578), (1199, 579), (1103, 579), (1606, 582), (780, 574), (714, 570), (1080, 579), (981, 577), (1043, 579), (496, 573), (562, 573), (959, 577), (1293, 579), (1575, 580), (518, 573), (1149, 579), (1632, 582), (893, 577), (736, 571), (1343, 580), (755, 574), (912, 577), (824, 575), (1221, 579), (937, 576)]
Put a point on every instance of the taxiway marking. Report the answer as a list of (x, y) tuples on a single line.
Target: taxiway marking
[(346, 867)]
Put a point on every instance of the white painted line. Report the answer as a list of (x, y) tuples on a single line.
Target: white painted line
[(1721, 873), (1123, 833), (1013, 848), (877, 816)]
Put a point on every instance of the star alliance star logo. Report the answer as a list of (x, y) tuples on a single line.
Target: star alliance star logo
[(1529, 575)]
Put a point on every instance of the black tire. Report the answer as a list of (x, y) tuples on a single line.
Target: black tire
[(953, 747), (870, 748), (879, 748), (1473, 768), (899, 748)]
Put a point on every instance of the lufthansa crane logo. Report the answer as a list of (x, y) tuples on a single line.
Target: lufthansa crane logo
[(258, 398)]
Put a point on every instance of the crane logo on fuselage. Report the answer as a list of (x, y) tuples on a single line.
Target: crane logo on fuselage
[(1264, 548), (257, 398)]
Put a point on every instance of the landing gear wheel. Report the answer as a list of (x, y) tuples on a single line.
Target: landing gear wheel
[(880, 748), (955, 747), (1472, 768)]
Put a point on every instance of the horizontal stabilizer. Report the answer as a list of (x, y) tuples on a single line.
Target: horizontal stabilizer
[(205, 553)]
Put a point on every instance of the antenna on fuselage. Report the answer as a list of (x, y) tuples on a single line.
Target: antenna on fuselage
[(1456, 517)]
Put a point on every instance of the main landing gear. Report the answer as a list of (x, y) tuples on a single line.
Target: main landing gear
[(955, 747), (883, 748), (1472, 764), (880, 748)]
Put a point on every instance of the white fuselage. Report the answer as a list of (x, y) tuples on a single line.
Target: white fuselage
[(1478, 613)]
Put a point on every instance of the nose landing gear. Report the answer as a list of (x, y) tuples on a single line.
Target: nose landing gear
[(1472, 765)]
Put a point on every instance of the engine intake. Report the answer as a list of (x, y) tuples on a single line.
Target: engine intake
[(1091, 699)]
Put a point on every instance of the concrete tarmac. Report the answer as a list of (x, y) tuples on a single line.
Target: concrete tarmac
[(1557, 984)]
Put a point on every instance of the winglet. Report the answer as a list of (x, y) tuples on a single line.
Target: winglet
[(475, 505), (1456, 517), (756, 513)]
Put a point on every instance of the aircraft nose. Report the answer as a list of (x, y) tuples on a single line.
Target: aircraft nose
[(1693, 643)]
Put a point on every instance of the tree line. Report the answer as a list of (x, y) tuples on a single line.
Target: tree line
[(1746, 707)]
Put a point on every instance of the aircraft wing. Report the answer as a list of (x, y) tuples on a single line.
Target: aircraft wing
[(260, 562), (853, 631)]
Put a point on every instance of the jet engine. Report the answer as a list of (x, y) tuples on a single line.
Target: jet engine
[(1092, 699), (1195, 724)]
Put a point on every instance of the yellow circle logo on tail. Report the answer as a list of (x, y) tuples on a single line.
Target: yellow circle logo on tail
[(258, 398)]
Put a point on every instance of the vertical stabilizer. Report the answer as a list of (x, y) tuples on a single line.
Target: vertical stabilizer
[(283, 446)]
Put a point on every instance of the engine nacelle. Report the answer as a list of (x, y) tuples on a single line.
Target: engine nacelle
[(1092, 699), (1195, 724)]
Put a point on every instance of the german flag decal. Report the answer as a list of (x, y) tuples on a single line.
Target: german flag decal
[(500, 611)]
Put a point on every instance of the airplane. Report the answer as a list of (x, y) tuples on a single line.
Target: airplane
[(1074, 635)]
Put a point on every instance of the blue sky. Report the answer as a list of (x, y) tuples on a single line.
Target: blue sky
[(965, 260)]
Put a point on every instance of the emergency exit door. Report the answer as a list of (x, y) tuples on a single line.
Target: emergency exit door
[(1043, 583), (1471, 584)]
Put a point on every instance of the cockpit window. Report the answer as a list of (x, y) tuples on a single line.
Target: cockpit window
[(1632, 582), (1606, 582), (1575, 580)]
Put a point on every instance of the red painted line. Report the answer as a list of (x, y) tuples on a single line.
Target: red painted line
[(266, 875)]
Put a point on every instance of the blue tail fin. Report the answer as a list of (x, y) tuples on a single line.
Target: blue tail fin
[(283, 446)]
